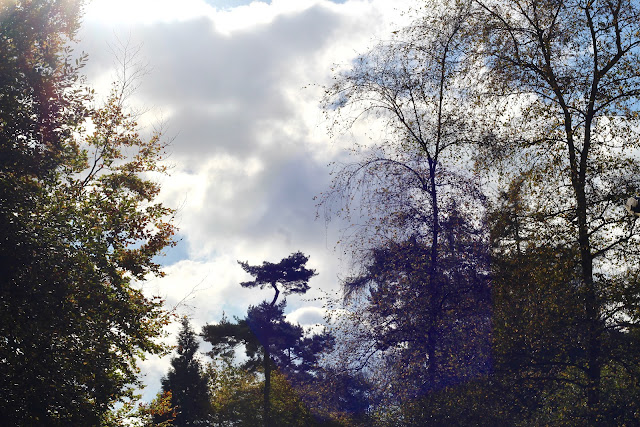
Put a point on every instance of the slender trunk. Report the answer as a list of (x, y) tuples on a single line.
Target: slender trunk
[(431, 354), (433, 285), (435, 225), (267, 387), (592, 311), (433, 166), (267, 365), (275, 297), (578, 160)]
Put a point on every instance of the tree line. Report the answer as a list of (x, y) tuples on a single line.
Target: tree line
[(494, 275), (279, 381), (497, 267)]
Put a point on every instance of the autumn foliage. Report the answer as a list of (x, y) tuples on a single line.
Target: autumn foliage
[(493, 271)]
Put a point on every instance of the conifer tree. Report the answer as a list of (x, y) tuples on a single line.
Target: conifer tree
[(269, 339), (187, 382)]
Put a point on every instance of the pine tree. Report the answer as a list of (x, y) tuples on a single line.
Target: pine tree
[(187, 383), (292, 275), (269, 339)]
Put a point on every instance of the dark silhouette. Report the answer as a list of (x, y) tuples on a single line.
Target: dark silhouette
[(186, 382), (269, 339), (290, 274)]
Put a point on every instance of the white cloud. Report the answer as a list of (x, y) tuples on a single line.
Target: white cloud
[(307, 316), (240, 89), (128, 12)]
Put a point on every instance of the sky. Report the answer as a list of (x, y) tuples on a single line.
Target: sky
[(237, 87)]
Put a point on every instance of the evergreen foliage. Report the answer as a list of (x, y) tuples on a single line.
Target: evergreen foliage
[(269, 340), (289, 275), (187, 383)]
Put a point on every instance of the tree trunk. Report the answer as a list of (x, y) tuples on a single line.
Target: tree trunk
[(267, 388), (594, 365)]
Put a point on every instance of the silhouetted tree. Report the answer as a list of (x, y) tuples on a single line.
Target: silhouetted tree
[(289, 275), (268, 338), (430, 332), (187, 383), (566, 97), (556, 82), (424, 316)]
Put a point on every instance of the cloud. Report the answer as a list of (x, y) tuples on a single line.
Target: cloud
[(240, 89), (225, 93), (307, 316)]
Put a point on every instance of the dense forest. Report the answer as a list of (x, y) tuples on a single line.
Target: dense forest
[(494, 275)]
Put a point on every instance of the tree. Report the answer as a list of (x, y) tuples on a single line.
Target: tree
[(422, 249), (41, 103), (237, 398), (340, 397), (429, 335), (269, 339), (411, 87), (78, 223), (187, 383), (141, 414), (538, 329), (563, 71), (556, 81), (272, 345), (290, 274)]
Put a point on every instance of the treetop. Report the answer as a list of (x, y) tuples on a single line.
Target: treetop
[(290, 273)]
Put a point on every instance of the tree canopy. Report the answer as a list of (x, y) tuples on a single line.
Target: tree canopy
[(270, 341), (495, 271), (290, 275), (78, 223), (538, 98)]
